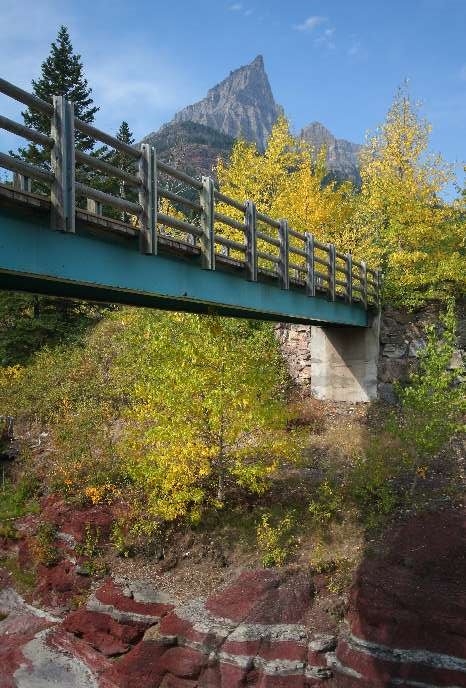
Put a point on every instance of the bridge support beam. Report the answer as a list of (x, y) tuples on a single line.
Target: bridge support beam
[(344, 362)]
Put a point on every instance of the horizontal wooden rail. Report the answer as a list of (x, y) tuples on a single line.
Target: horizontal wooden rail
[(224, 219), (178, 174), (25, 168), (268, 239), (106, 168), (268, 256), (229, 243), (268, 220), (26, 98), (340, 276), (322, 261), (109, 199), (176, 198), (179, 224), (229, 201), (320, 246), (322, 275), (296, 235), (25, 132), (298, 251), (101, 136), (295, 266)]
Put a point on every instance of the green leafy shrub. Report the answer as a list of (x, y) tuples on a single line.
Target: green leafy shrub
[(327, 503), (43, 548), (91, 550), (276, 541), (18, 499), (434, 400)]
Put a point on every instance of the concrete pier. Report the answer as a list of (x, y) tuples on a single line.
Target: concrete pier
[(344, 362)]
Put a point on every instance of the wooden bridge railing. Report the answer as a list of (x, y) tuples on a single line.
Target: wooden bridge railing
[(257, 241)]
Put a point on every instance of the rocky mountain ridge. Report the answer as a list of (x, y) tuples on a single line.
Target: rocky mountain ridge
[(243, 105)]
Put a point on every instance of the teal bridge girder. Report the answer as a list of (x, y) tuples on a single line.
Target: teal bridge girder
[(104, 265), (224, 257)]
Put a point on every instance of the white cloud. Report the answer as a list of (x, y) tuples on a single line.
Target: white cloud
[(310, 23), (354, 49), (325, 40), (236, 7)]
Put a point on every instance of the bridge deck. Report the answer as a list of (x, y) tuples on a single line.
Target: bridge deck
[(101, 262)]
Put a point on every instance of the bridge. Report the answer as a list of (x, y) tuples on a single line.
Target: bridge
[(166, 240)]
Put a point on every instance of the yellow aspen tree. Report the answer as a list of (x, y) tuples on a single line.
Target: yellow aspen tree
[(402, 219)]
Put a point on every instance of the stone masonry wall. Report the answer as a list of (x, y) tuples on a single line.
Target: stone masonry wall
[(401, 338)]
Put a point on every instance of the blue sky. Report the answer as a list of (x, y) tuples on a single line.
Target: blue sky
[(335, 61)]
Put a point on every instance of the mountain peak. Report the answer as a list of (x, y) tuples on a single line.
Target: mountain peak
[(242, 105), (342, 155)]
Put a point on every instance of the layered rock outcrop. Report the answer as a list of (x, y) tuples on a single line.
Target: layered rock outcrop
[(405, 626), (407, 615)]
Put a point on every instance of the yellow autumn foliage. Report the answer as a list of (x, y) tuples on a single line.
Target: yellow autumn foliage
[(398, 220)]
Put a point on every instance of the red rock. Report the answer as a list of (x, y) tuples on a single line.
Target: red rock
[(264, 596), (411, 598), (277, 681), (172, 624), (111, 593), (57, 584), (184, 662), (140, 668), (288, 649), (316, 658), (75, 521), (102, 632), (238, 600), (68, 643), (210, 678), (379, 671), (233, 676), (170, 681)]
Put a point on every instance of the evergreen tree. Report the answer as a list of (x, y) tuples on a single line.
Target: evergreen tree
[(27, 322), (62, 74)]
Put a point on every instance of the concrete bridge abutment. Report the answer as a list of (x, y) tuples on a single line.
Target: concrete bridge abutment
[(344, 362)]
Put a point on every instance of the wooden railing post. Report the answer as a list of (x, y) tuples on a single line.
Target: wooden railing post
[(363, 273), (63, 166), (310, 280), (207, 224), (22, 183), (250, 221), (284, 255), (331, 271), (148, 200), (349, 278), (94, 207)]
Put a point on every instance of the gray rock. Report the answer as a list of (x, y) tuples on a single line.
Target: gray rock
[(387, 393), (395, 350), (242, 105), (393, 369), (323, 642), (46, 667), (415, 346), (456, 361), (342, 155)]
